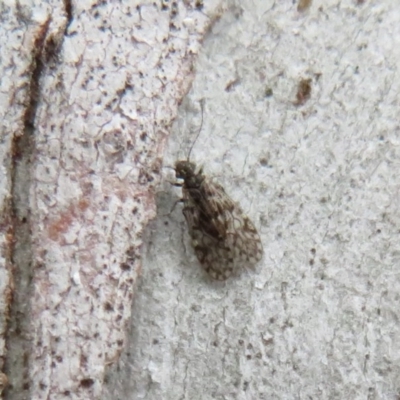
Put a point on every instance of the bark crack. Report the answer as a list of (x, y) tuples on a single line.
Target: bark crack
[(18, 338)]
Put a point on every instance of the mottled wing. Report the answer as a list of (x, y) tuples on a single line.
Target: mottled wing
[(243, 237), (238, 231), (214, 256), (222, 236)]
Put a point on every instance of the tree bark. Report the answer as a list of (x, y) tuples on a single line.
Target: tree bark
[(89, 91), (301, 129)]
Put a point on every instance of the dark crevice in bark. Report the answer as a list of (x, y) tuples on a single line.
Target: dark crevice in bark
[(18, 338), (68, 12)]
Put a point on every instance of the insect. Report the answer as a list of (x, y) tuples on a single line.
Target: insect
[(223, 238)]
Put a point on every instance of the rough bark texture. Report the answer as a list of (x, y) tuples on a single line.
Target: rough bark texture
[(300, 126), (88, 93)]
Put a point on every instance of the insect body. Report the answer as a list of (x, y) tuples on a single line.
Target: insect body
[(222, 236)]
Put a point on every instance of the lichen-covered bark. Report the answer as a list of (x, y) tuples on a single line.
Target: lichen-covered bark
[(89, 91)]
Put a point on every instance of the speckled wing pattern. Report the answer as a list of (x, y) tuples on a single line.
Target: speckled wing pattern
[(222, 236)]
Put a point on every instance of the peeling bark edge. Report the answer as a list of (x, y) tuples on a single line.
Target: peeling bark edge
[(41, 55)]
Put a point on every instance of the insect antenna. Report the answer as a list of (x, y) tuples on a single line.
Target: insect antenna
[(198, 133)]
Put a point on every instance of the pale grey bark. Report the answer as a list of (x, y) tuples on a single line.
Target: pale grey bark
[(88, 94), (319, 317), (89, 91)]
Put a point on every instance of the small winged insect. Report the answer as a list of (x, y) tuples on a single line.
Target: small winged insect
[(223, 238)]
